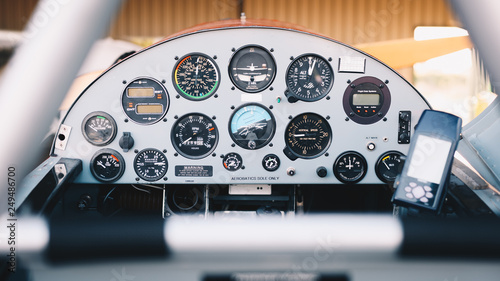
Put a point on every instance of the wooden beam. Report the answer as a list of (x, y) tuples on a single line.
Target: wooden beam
[(406, 52)]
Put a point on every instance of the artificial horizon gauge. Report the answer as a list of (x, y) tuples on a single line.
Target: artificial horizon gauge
[(309, 78), (307, 136), (107, 165), (150, 164), (99, 128), (232, 161), (350, 167), (252, 126), (252, 69), (194, 135), (389, 165), (196, 77), (145, 101)]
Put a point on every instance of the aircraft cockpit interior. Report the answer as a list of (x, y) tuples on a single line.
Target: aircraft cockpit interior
[(244, 149)]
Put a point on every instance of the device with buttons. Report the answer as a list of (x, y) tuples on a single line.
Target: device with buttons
[(422, 183)]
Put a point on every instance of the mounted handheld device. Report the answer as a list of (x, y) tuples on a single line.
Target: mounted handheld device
[(422, 183)]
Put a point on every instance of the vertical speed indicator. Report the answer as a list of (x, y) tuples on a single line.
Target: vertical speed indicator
[(307, 136)]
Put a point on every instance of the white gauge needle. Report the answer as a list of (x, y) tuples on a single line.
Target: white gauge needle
[(350, 166), (100, 164), (184, 142), (386, 166), (299, 135), (311, 68), (92, 128)]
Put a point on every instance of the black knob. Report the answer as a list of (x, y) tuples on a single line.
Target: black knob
[(84, 202), (321, 172), (403, 136), (290, 97), (404, 116)]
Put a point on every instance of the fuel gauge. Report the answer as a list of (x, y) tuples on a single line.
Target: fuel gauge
[(389, 165)]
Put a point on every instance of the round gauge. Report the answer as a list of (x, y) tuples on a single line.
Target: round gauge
[(145, 101), (150, 164), (184, 199), (99, 128), (309, 78), (196, 77), (307, 136), (252, 69), (366, 100), (107, 165), (389, 165), (232, 161), (271, 162), (350, 167), (252, 126), (194, 136)]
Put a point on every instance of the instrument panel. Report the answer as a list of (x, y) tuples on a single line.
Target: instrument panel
[(258, 108)]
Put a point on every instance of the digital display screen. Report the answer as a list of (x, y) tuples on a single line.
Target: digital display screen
[(365, 99), (140, 92), (149, 109), (429, 159)]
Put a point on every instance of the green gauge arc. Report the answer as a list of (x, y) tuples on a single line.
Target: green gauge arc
[(196, 76)]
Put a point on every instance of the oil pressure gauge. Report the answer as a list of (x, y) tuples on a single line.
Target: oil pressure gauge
[(99, 128)]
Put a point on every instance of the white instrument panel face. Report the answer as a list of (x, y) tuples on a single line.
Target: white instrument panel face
[(247, 105)]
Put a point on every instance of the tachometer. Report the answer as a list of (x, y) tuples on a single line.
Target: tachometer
[(309, 78), (350, 167), (107, 165), (196, 77), (307, 136), (252, 126), (150, 164), (389, 165), (194, 135), (252, 69), (99, 128)]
